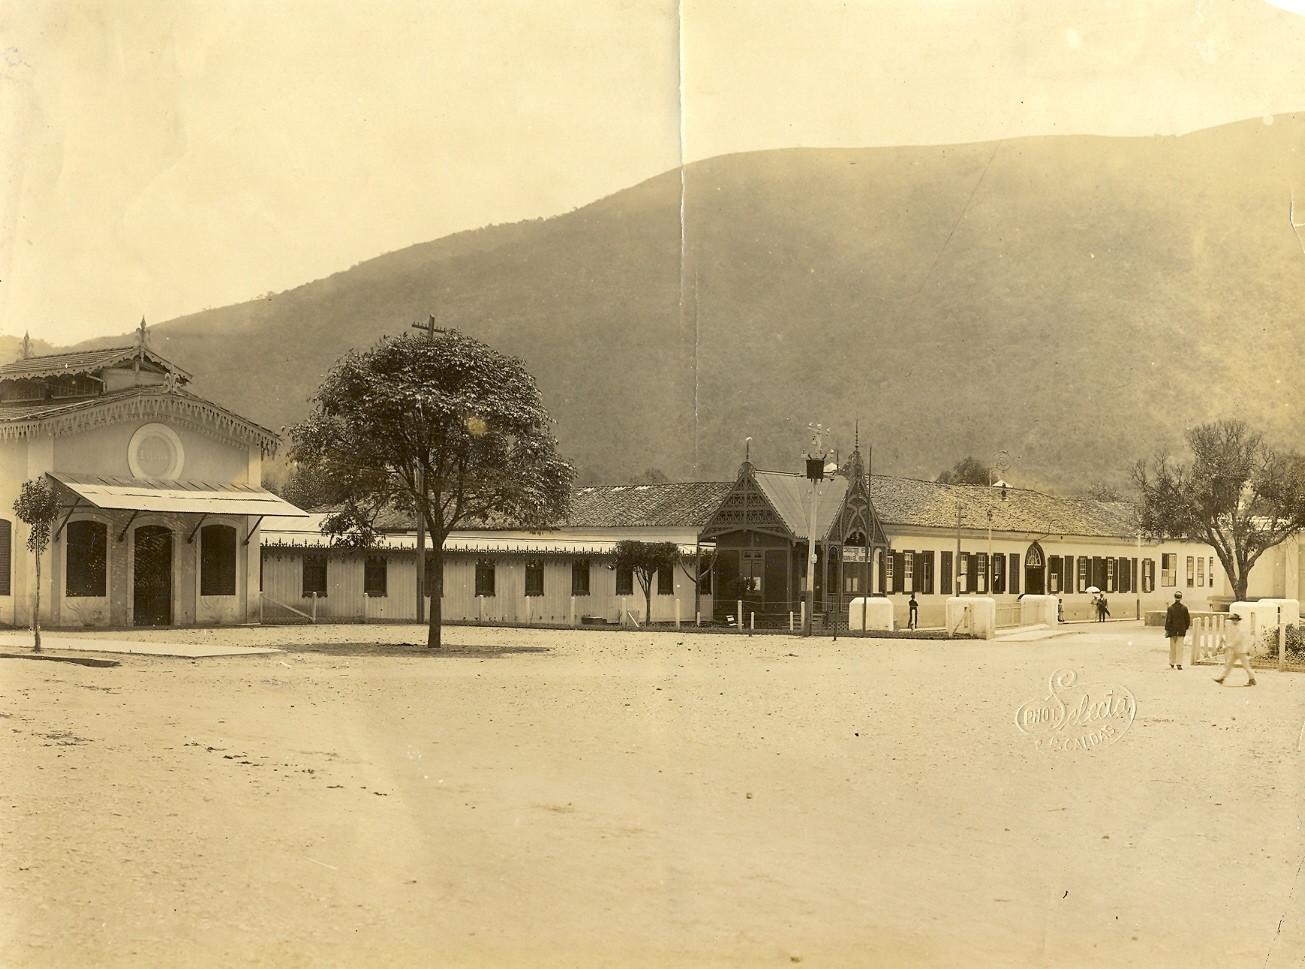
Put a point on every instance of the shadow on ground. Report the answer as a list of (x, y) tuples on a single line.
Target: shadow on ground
[(408, 649)]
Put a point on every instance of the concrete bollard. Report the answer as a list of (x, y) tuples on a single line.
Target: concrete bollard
[(976, 615), (870, 612)]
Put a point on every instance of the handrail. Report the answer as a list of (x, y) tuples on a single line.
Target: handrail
[(286, 605)]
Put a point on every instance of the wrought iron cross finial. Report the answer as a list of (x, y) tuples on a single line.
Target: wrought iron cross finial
[(429, 328)]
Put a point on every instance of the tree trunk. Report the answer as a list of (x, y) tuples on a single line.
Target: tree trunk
[(647, 603), (437, 593), (36, 613)]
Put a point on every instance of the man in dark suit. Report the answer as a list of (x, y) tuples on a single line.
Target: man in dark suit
[(1177, 621)]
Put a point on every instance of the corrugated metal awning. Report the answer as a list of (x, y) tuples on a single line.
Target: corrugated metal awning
[(177, 497)]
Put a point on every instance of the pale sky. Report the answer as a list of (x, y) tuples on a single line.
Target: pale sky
[(160, 158)]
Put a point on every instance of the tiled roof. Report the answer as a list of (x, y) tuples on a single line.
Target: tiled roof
[(907, 501), (280, 532), (897, 501), (791, 496), (684, 504), (80, 361)]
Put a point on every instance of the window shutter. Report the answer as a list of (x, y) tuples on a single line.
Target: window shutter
[(899, 571)]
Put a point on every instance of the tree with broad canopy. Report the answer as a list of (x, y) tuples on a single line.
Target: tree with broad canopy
[(1238, 495), (645, 560), (37, 507), (968, 470), (446, 428)]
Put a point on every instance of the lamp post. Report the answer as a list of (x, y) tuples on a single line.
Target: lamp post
[(816, 470), (1000, 462)]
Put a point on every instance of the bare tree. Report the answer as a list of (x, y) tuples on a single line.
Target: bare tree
[(1238, 495)]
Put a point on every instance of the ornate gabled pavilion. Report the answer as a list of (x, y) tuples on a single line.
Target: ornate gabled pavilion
[(762, 532), (160, 489)]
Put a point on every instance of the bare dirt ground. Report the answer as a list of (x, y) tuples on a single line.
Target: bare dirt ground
[(556, 798)]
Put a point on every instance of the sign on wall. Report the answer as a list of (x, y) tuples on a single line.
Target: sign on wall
[(155, 451)]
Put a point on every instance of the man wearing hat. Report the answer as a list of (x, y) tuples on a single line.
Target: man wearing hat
[(1177, 621), (1238, 642)]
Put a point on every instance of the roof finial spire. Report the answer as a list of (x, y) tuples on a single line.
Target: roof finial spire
[(747, 450), (141, 334), (27, 345)]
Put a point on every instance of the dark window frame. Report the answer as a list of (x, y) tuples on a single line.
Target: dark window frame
[(485, 574), (666, 580), (86, 536), (624, 581), (314, 569), (6, 556), (534, 578), (215, 574), (580, 577), (376, 576)]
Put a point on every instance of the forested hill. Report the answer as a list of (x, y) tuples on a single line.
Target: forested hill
[(1077, 301)]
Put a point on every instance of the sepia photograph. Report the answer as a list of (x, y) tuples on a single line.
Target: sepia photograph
[(652, 483)]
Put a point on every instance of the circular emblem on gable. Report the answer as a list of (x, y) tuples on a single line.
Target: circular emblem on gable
[(155, 451)]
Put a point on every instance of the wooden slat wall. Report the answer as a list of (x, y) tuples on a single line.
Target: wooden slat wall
[(283, 582)]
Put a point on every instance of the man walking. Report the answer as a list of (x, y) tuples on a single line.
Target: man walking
[(1177, 620), (1238, 643), (912, 613)]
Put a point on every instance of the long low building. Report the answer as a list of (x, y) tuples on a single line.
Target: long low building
[(744, 544), (564, 575), (890, 536)]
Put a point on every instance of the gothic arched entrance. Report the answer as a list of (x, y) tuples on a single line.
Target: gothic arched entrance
[(1035, 571)]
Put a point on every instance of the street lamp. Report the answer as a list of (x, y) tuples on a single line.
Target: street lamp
[(1000, 462), (817, 469)]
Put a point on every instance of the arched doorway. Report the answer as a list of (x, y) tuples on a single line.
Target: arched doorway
[(152, 576), (1035, 571)]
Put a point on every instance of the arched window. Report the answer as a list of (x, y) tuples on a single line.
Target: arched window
[(217, 560), (1033, 557), (88, 557)]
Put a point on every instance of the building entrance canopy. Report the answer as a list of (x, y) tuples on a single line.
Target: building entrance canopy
[(176, 497)]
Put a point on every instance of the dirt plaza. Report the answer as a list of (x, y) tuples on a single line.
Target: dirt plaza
[(586, 798)]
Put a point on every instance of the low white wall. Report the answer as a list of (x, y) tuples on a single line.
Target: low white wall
[(1290, 609), (976, 615), (1261, 615), (1038, 609), (875, 612)]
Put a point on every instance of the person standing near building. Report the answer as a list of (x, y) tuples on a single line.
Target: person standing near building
[(1177, 620), (912, 613), (1237, 641), (1103, 608)]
